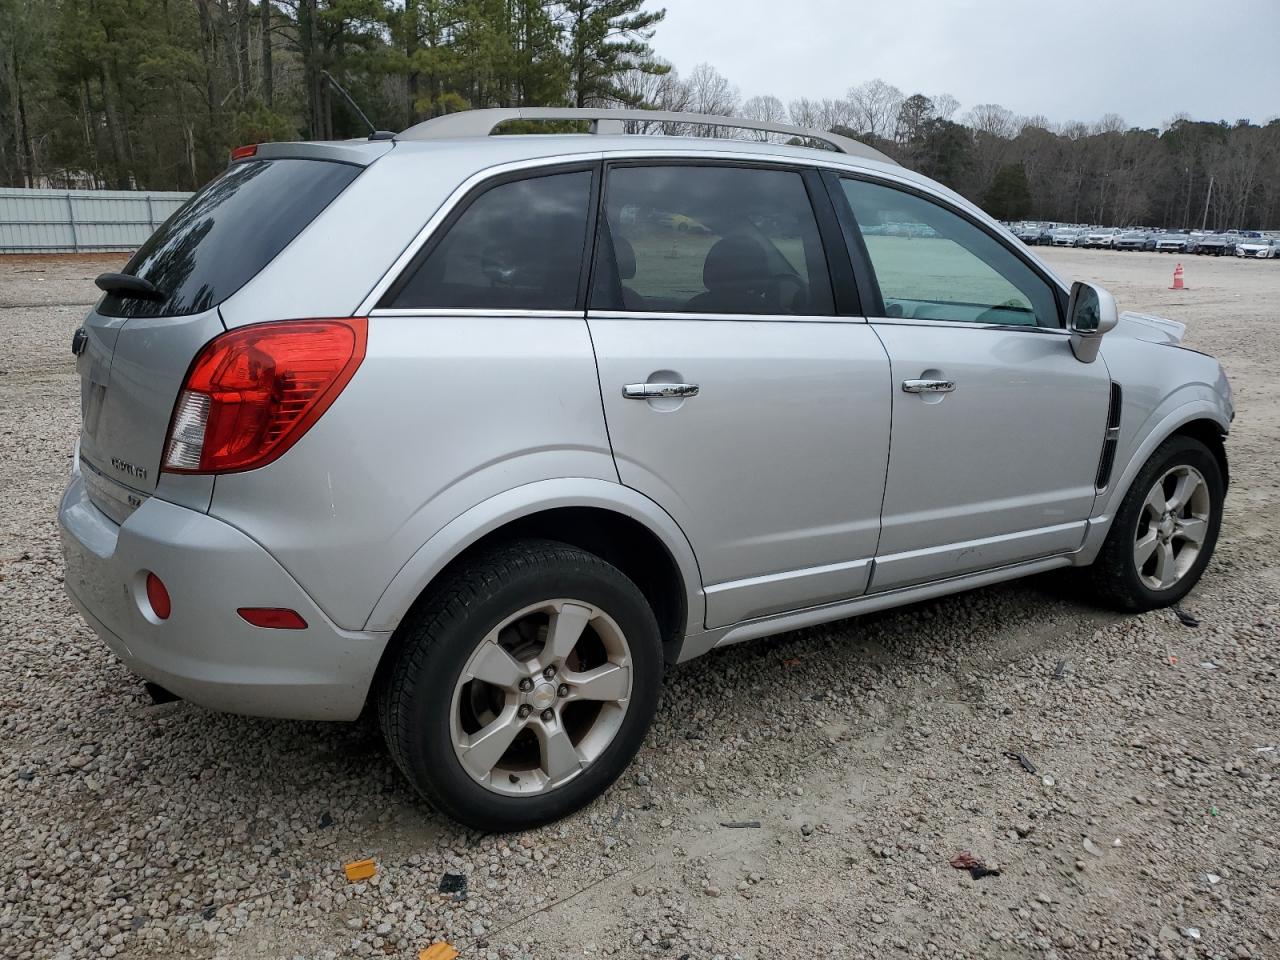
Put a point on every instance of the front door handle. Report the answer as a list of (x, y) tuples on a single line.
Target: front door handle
[(928, 386), (655, 391)]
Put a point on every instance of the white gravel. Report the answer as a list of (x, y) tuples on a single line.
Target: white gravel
[(871, 752)]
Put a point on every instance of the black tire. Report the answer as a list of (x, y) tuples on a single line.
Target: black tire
[(1114, 578), (415, 696)]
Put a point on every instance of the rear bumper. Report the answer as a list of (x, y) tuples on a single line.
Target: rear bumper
[(204, 652)]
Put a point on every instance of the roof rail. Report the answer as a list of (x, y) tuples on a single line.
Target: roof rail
[(604, 120)]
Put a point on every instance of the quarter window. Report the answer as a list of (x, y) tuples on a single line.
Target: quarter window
[(933, 264), (705, 239), (519, 245)]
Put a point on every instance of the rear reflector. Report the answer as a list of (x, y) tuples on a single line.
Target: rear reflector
[(158, 597), (276, 618), (244, 153), (253, 392)]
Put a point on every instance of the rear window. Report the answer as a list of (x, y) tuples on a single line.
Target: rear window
[(224, 235)]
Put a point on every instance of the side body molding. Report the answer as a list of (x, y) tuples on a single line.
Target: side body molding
[(526, 500)]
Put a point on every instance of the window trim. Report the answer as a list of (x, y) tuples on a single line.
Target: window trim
[(865, 270), (457, 209), (845, 300)]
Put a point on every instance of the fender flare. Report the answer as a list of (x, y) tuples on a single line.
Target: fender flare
[(523, 501)]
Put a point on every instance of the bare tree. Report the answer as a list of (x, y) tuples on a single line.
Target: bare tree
[(945, 106), (767, 108), (710, 92), (875, 106)]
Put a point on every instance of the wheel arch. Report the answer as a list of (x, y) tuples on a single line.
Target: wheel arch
[(1202, 419), (607, 519)]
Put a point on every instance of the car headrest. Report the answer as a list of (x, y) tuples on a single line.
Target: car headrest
[(734, 263)]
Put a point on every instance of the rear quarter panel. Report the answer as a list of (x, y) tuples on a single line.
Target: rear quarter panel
[(445, 412)]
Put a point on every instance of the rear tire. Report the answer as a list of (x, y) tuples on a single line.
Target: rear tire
[(1165, 531), (489, 712)]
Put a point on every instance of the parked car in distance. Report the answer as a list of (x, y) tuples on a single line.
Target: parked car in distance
[(1216, 244), (1173, 242), (1259, 248), (1030, 233), (1068, 237), (1102, 238), (358, 433), (1134, 240)]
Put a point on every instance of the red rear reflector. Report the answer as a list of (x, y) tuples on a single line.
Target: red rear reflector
[(277, 618), (253, 392), (243, 153), (158, 597)]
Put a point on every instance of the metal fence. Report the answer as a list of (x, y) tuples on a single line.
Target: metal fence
[(78, 221)]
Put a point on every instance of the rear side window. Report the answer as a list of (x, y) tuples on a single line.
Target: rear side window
[(517, 246), (710, 239), (223, 236)]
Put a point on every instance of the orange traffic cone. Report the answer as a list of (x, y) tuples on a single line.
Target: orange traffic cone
[(1177, 279)]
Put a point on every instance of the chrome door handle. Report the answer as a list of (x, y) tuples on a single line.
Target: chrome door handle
[(928, 386), (654, 391)]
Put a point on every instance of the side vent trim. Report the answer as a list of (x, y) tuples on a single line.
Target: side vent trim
[(1113, 437)]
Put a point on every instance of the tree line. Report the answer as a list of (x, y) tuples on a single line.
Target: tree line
[(154, 93)]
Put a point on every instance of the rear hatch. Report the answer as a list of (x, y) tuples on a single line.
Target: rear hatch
[(136, 351)]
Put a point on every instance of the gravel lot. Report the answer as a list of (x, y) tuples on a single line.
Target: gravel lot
[(871, 752)]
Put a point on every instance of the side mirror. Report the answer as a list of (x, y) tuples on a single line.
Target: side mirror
[(1091, 312)]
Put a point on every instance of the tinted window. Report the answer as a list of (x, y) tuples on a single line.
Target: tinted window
[(933, 264), (518, 245), (710, 240), (220, 238)]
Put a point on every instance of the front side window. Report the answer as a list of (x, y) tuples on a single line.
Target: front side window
[(517, 246), (706, 239), (933, 264)]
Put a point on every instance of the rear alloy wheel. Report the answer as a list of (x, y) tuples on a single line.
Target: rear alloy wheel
[(1165, 530), (524, 685), (542, 697)]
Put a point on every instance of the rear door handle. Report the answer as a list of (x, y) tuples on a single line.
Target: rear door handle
[(928, 386), (654, 391)]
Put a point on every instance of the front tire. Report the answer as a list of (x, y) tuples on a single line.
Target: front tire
[(525, 684), (1165, 531)]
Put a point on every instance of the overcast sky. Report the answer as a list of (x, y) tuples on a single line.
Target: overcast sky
[(1146, 60)]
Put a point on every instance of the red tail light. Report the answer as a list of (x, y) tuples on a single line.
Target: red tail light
[(253, 392), (244, 153)]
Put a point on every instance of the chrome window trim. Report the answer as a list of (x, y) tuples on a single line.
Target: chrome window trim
[(705, 317), (967, 325), (570, 314)]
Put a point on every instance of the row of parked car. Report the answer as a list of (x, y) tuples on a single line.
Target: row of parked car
[(1252, 244)]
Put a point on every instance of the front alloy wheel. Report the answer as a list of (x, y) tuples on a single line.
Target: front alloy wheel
[(1172, 527), (1165, 529)]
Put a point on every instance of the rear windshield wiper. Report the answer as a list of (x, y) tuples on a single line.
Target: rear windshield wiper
[(125, 285)]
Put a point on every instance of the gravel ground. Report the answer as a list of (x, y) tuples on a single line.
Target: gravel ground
[(870, 751)]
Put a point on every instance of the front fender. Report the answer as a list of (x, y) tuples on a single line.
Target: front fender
[(526, 500)]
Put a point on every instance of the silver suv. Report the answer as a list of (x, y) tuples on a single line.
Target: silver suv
[(481, 432)]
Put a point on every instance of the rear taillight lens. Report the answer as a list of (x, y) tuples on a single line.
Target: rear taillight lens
[(252, 393)]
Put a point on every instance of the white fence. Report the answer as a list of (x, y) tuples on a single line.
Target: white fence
[(78, 221)]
